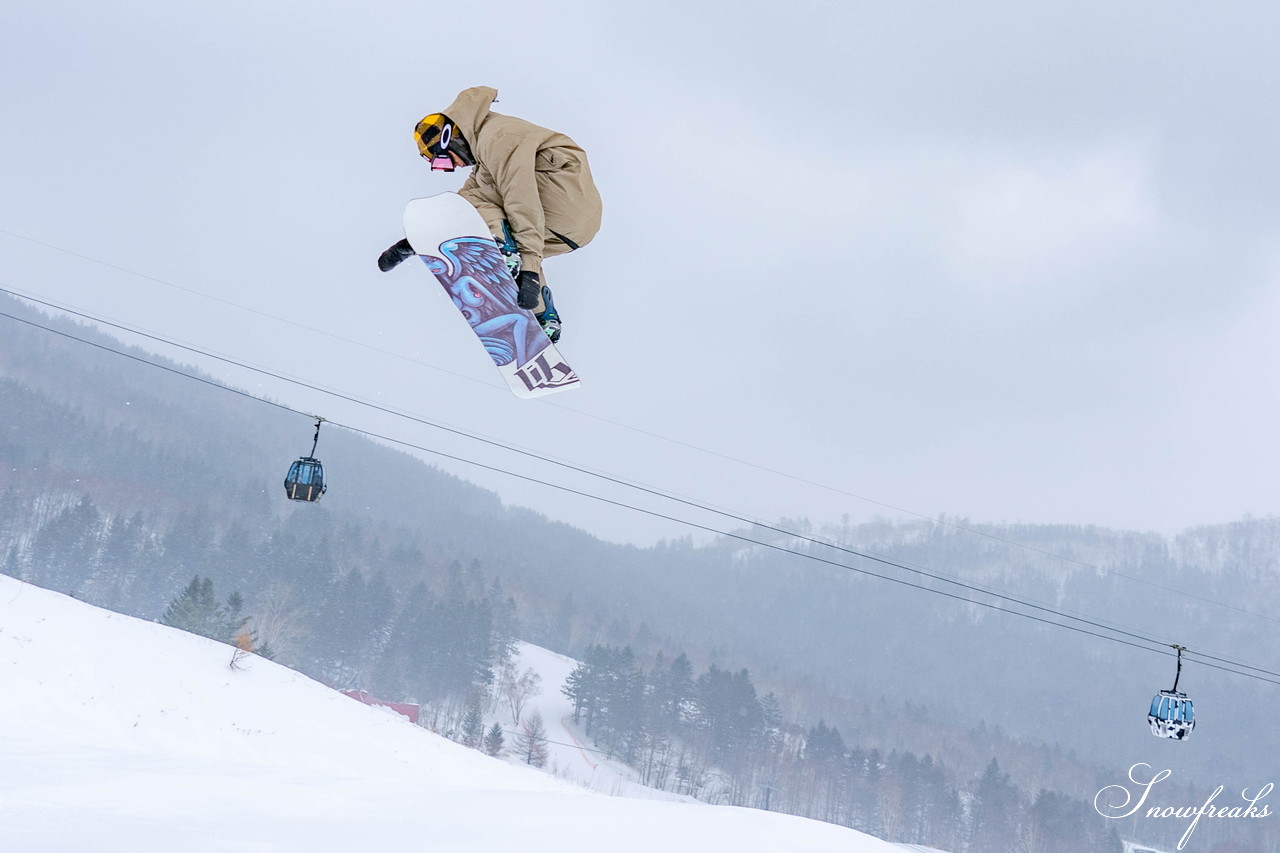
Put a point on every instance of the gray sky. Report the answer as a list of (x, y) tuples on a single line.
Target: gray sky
[(1005, 261)]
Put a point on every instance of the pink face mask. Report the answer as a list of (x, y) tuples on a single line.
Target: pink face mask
[(442, 162)]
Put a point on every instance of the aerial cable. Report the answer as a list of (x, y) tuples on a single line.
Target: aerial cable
[(608, 478), (570, 466), (522, 733), (612, 479), (230, 304), (808, 556), (766, 469), (617, 481), (561, 406), (302, 383), (1141, 640)]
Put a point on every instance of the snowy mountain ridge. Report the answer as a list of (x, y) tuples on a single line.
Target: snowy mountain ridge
[(120, 734)]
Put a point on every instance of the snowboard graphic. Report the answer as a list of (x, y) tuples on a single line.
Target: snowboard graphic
[(453, 241)]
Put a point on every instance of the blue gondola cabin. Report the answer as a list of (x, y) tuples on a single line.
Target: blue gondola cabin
[(1172, 715), (305, 480)]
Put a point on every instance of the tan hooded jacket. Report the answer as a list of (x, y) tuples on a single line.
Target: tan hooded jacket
[(536, 179)]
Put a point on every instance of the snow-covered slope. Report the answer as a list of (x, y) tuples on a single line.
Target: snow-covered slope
[(571, 755), (122, 735)]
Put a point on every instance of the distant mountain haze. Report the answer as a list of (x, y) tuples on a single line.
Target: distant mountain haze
[(122, 482)]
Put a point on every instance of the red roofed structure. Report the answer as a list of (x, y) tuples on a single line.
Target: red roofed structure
[(407, 709)]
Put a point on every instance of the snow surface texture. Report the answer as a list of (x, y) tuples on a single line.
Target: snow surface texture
[(123, 735)]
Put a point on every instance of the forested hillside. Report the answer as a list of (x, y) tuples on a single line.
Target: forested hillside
[(123, 483)]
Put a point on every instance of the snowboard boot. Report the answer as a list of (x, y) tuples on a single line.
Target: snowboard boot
[(549, 319), (510, 251), (393, 257)]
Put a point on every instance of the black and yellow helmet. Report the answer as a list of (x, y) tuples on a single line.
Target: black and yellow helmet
[(433, 135), (440, 143)]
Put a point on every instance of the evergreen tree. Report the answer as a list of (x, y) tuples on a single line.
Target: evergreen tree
[(64, 553), (677, 692), (771, 722), (867, 775), (197, 610), (996, 810), (586, 685), (265, 650), (400, 670), (730, 719), (493, 740), (337, 631), (506, 625), (621, 726), (122, 561), (824, 744), (375, 617), (473, 726), (939, 811), (575, 689)]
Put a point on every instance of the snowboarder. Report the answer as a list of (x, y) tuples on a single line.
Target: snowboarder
[(532, 185)]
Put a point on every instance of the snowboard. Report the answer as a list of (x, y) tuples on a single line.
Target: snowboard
[(452, 239)]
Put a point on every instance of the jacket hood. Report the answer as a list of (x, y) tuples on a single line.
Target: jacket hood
[(469, 110)]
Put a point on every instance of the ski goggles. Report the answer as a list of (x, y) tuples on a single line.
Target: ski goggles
[(433, 135)]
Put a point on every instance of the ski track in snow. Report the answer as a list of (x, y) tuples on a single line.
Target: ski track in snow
[(118, 734)]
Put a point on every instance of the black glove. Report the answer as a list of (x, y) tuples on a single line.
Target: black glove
[(392, 257), (530, 290)]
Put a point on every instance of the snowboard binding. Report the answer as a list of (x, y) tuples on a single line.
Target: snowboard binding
[(510, 251), (549, 319), (468, 263)]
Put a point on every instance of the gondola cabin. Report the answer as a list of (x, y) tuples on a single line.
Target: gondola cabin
[(1172, 715), (305, 480)]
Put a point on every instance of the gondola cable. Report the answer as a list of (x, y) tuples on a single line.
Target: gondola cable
[(1224, 664), (617, 481), (930, 519)]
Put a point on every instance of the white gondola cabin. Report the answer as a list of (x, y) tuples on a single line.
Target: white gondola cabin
[(1172, 714)]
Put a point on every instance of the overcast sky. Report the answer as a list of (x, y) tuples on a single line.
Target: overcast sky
[(996, 260)]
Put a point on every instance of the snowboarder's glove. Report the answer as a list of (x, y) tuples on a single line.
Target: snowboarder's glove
[(530, 290), (393, 256)]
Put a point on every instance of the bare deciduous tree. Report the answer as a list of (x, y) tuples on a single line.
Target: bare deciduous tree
[(531, 743), (280, 621), (519, 690), (243, 648)]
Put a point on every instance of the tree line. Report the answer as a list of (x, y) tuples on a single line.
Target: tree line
[(439, 642), (711, 736), (326, 602)]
